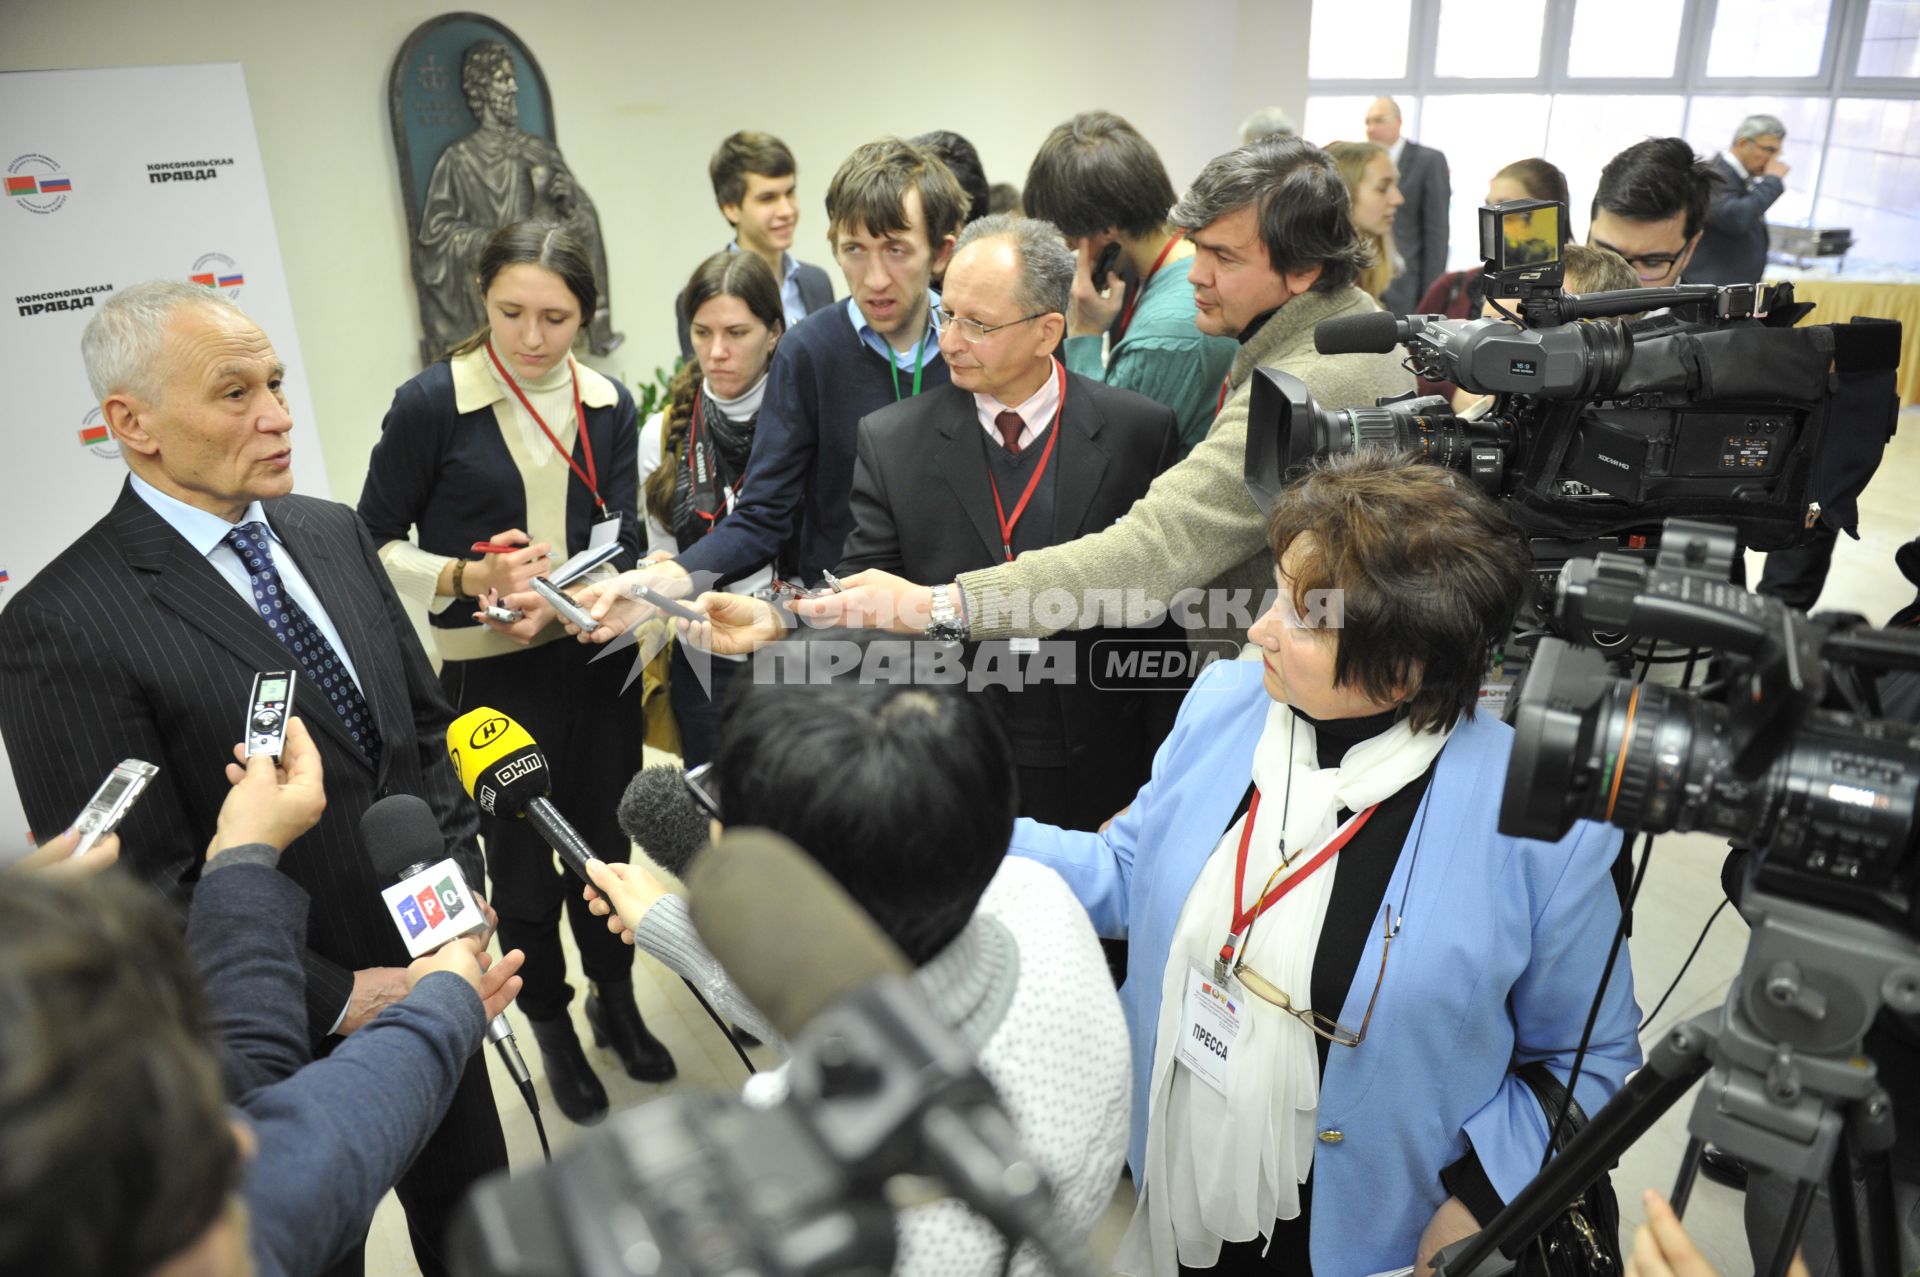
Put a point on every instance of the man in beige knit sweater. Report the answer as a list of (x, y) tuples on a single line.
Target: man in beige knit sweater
[(1275, 253)]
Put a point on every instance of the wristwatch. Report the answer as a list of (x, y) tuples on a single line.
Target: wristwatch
[(945, 625)]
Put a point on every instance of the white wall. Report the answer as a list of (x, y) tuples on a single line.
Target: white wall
[(641, 93)]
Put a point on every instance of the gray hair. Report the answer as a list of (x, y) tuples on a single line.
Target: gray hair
[(1760, 126), (1268, 121), (1047, 265), (121, 343)]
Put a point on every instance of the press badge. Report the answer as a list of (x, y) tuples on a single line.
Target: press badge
[(1209, 1025)]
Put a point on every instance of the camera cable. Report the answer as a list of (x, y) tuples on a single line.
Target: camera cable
[(1691, 955), (1599, 995)]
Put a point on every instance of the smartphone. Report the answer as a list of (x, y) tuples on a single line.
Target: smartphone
[(112, 801), (569, 611), (1103, 266), (672, 607), (268, 709), (504, 615), (584, 562)]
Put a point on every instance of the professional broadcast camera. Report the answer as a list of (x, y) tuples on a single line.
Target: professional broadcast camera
[(1825, 797), (1717, 409)]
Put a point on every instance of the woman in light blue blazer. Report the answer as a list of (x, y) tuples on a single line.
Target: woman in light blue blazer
[(1333, 972)]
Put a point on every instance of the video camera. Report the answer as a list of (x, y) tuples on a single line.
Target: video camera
[(1717, 409), (1825, 797), (1829, 795)]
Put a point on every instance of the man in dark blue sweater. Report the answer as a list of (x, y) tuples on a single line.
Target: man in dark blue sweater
[(892, 212), (121, 1153)]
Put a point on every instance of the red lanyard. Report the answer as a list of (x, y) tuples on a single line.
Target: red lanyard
[(1126, 316), (693, 450), (1053, 434), (1242, 919), (589, 476), (1226, 388)]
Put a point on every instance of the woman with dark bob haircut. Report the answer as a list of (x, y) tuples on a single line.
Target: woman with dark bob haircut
[(1335, 961)]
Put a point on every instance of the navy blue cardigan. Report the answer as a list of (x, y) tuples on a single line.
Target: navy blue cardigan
[(449, 474)]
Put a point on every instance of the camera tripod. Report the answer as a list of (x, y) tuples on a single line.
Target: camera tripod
[(1787, 1090)]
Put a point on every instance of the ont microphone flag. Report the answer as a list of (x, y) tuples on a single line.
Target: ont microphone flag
[(432, 907), (495, 756)]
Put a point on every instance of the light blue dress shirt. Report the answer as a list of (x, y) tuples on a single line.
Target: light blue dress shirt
[(206, 533), (795, 310), (903, 359)]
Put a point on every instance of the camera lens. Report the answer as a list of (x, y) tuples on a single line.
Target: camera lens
[(1588, 746)]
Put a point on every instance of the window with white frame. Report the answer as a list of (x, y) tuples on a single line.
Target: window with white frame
[(1489, 82)]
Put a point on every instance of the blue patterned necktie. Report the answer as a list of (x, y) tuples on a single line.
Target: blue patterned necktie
[(299, 635)]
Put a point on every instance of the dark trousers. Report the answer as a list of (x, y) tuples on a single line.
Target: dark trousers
[(696, 709), (466, 1147), (591, 735), (1795, 577)]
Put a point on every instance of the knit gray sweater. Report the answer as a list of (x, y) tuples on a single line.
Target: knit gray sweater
[(1197, 526)]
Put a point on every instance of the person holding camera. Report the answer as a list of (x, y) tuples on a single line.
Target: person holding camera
[(1336, 962), (119, 1148)]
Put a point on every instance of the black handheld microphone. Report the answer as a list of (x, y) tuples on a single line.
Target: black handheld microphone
[(507, 775), (427, 896), (1375, 333), (658, 813)]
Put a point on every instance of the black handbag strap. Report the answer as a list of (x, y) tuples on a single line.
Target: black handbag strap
[(1553, 1097)]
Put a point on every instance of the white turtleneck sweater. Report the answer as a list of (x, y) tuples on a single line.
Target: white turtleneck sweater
[(652, 442)]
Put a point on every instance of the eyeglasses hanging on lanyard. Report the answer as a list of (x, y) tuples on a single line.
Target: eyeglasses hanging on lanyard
[(590, 475)]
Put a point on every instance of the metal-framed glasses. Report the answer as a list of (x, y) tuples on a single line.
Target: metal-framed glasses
[(699, 782), (1324, 1026), (976, 332)]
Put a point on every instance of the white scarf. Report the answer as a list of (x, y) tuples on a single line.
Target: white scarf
[(1224, 1168)]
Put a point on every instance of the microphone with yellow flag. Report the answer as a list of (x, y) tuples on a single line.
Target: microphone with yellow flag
[(504, 772)]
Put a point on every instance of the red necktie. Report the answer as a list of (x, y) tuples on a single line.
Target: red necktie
[(1010, 425)]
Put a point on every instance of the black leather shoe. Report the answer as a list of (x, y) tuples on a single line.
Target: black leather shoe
[(616, 1021), (1723, 1168), (569, 1075)]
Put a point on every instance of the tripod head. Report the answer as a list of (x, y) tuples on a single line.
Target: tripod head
[(1788, 1088)]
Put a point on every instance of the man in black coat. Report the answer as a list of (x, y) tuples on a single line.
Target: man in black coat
[(1017, 454), (142, 640)]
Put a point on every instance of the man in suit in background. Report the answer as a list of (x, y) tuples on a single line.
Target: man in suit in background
[(1733, 247), (142, 640), (753, 183), (1420, 232), (1015, 454)]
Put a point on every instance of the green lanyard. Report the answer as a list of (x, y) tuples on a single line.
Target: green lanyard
[(919, 355)]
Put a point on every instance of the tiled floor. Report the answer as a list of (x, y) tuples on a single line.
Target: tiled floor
[(1681, 891)]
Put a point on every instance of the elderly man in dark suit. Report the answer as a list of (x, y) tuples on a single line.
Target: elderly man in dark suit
[(1016, 454), (1733, 248), (1420, 232), (143, 637)]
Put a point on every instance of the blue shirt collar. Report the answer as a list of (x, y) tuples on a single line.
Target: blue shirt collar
[(204, 532), (923, 354), (788, 266)]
